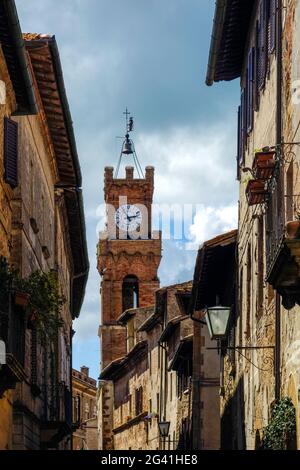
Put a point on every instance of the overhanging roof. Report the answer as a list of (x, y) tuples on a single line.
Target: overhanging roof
[(44, 56), (171, 326), (228, 40), (214, 271), (131, 312), (150, 323), (119, 366), (14, 51), (183, 350), (45, 60)]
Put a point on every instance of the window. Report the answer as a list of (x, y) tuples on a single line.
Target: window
[(241, 306), (184, 374), (139, 401), (130, 405), (249, 269), (242, 129), (11, 152), (130, 292), (76, 409), (290, 192), (150, 362), (34, 374), (260, 264)]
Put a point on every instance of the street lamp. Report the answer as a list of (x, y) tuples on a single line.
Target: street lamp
[(164, 427), (217, 319)]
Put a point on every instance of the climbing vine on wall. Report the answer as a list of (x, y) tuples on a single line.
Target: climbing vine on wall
[(280, 434), (43, 299)]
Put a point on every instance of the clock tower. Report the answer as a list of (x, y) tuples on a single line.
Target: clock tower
[(129, 255)]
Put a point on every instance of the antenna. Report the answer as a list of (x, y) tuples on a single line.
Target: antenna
[(128, 147)]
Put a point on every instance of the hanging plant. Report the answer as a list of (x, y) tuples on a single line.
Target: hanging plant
[(38, 295), (44, 302), (280, 433)]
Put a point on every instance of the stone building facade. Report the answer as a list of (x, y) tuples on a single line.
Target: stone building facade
[(16, 97), (84, 402), (45, 223), (265, 55), (154, 381)]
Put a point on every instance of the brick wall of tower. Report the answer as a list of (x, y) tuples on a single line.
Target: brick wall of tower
[(118, 258)]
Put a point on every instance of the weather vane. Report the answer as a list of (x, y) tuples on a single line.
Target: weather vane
[(128, 146)]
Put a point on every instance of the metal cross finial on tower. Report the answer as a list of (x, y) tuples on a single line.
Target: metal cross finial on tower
[(128, 147)]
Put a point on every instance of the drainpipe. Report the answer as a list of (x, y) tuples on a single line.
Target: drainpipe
[(279, 141)]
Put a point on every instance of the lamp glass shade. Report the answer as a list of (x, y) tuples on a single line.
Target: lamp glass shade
[(164, 427), (217, 321)]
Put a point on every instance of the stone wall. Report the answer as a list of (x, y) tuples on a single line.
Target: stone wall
[(6, 195), (250, 382)]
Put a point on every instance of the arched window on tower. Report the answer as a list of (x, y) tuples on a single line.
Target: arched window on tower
[(130, 292)]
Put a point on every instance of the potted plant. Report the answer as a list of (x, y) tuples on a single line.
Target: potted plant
[(21, 298), (264, 164), (256, 192), (293, 227)]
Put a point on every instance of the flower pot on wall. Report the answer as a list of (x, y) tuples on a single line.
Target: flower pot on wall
[(21, 299), (293, 229), (263, 165), (256, 192)]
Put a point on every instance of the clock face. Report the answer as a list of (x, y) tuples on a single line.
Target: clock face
[(128, 217)]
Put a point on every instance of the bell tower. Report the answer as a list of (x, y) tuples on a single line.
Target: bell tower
[(128, 254)]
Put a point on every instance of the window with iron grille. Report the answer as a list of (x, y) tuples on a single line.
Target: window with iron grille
[(11, 152)]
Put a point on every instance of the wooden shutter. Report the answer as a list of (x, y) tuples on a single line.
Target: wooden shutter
[(250, 80), (239, 143), (262, 44), (243, 120), (11, 152), (272, 26)]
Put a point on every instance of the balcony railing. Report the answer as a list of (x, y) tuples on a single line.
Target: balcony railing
[(283, 247), (12, 332), (275, 223), (57, 422)]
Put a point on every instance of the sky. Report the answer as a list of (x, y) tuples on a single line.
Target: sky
[(149, 56)]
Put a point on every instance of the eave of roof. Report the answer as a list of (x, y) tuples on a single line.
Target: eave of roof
[(13, 47), (131, 312), (184, 346), (228, 40), (150, 323), (203, 260), (182, 288), (47, 68), (119, 365), (170, 327)]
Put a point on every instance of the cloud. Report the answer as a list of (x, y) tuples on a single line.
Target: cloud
[(151, 57)]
